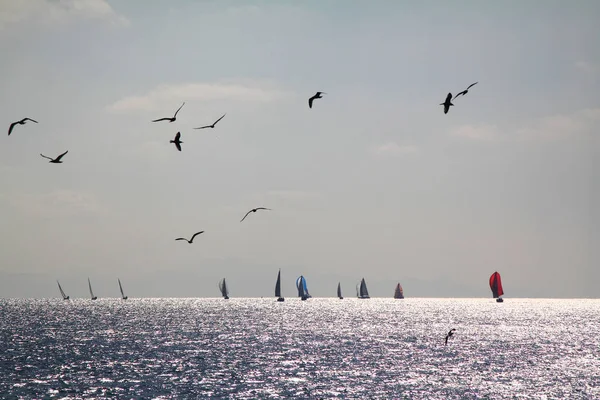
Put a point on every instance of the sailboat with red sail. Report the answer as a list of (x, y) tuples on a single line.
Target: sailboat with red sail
[(496, 286)]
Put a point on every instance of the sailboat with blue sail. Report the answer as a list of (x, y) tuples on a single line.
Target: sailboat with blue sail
[(361, 290), (302, 289)]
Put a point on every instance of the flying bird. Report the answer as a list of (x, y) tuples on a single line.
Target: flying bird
[(447, 103), (214, 123), (254, 210), (316, 96), (170, 119), (449, 335), (465, 91), (57, 159), (192, 239), (21, 122), (177, 141)]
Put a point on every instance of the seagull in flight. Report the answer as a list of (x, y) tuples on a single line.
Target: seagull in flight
[(447, 103), (449, 335), (316, 96), (170, 119), (254, 210), (192, 239), (21, 122), (57, 159), (465, 91), (177, 141), (214, 123)]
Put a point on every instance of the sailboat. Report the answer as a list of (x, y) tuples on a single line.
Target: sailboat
[(496, 286), (339, 291), (121, 288), (278, 287), (62, 292), (399, 293), (362, 292), (302, 289), (91, 293), (223, 289)]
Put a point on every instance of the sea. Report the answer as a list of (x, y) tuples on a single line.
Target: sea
[(322, 348)]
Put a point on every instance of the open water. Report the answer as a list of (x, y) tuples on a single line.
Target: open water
[(320, 348)]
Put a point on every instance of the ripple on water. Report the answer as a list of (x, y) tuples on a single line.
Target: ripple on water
[(258, 348)]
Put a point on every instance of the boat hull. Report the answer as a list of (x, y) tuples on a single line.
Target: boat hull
[(281, 299), (499, 300)]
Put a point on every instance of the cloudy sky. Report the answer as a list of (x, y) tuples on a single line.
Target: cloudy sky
[(374, 181)]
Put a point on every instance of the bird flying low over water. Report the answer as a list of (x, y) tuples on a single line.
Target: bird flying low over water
[(21, 122), (465, 91), (214, 123), (316, 96), (447, 103), (170, 119), (192, 239), (57, 159), (449, 335), (177, 141), (254, 210)]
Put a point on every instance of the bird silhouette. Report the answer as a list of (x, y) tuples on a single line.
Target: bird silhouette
[(214, 123), (192, 239), (170, 119), (465, 91), (449, 335), (177, 141), (254, 210), (447, 103), (316, 96), (21, 122), (57, 159)]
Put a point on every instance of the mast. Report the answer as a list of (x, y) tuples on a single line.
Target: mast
[(121, 289), (91, 292)]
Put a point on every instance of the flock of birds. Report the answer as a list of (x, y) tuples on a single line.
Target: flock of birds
[(177, 142)]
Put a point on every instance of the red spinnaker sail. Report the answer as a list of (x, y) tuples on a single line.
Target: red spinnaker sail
[(496, 285)]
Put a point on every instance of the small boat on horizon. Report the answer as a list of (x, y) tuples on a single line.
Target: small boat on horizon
[(121, 289), (91, 292), (496, 286), (339, 291), (223, 289), (62, 292), (278, 287), (302, 289), (361, 290), (399, 293)]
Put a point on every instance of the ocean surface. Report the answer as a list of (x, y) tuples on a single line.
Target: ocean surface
[(320, 348)]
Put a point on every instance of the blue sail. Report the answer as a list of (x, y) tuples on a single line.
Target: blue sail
[(302, 289)]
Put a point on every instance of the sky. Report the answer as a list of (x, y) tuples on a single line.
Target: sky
[(374, 181)]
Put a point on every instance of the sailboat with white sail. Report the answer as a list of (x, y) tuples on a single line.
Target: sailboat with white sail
[(361, 290), (121, 289), (278, 287), (91, 292), (62, 292), (223, 289), (398, 293), (339, 291), (302, 289)]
